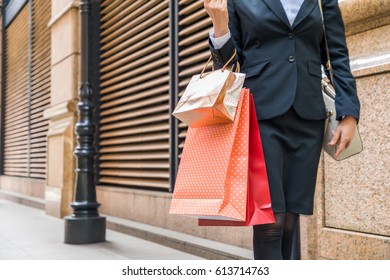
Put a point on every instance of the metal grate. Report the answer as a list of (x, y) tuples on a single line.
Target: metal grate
[(27, 91), (194, 26), (16, 116), (134, 87), (40, 86)]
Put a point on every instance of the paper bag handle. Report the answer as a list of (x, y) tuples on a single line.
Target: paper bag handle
[(224, 67)]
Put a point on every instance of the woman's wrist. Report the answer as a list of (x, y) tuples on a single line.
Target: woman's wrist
[(220, 31)]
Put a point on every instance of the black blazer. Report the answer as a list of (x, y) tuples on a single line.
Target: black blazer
[(283, 62)]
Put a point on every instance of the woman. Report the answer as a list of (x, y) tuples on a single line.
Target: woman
[(280, 47)]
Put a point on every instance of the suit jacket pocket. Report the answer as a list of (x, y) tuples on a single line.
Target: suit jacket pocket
[(254, 70), (315, 69)]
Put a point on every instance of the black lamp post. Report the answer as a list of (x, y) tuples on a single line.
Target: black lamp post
[(85, 225)]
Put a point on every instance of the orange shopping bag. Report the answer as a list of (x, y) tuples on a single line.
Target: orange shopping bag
[(219, 176)]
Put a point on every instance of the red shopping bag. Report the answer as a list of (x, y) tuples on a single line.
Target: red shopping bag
[(258, 196), (216, 176)]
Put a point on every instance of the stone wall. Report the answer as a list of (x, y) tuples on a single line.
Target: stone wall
[(352, 218)]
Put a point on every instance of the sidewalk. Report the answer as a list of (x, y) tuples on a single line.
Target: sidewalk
[(27, 233)]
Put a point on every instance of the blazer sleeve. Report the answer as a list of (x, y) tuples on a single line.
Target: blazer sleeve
[(347, 102), (222, 55)]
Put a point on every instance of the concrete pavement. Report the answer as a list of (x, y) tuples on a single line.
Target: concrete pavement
[(27, 233)]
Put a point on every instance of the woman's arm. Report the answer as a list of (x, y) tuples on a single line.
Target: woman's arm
[(347, 102), (224, 18)]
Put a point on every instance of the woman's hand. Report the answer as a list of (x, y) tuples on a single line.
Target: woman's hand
[(217, 10), (344, 134)]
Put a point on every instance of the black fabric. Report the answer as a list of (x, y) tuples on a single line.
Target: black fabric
[(275, 241), (292, 148), (289, 231), (283, 62)]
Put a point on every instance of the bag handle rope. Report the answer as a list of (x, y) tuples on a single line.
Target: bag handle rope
[(224, 67)]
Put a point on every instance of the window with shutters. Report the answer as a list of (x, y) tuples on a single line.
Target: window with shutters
[(194, 26), (40, 86), (16, 107), (134, 88), (27, 91)]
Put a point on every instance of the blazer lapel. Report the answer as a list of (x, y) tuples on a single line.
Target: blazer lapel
[(277, 7), (306, 8)]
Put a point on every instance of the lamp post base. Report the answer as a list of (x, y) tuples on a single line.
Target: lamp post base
[(85, 230)]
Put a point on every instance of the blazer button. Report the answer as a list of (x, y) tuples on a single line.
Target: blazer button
[(291, 58), (290, 35)]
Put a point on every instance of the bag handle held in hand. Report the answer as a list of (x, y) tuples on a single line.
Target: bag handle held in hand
[(224, 67)]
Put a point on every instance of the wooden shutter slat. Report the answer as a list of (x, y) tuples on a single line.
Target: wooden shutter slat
[(201, 57), (137, 88), (202, 24), (135, 21), (116, 12), (38, 144), (17, 147), (137, 70), (135, 114), (134, 97), (190, 8), (136, 174), (137, 33), (14, 173), (194, 38), (138, 80), (137, 148), (135, 156), (40, 155), (135, 139), (201, 46), (126, 48), (134, 182), (136, 105), (135, 131), (193, 17), (110, 66), (38, 127), (13, 121), (137, 121), (136, 164)]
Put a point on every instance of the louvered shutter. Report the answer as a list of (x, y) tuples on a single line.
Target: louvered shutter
[(194, 26), (134, 87), (40, 86), (27, 91), (16, 123)]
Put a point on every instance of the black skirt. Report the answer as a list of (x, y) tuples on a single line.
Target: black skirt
[(292, 148)]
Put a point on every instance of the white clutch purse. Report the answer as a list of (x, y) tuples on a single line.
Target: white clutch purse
[(329, 95), (356, 145)]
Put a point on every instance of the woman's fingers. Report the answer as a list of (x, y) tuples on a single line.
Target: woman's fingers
[(218, 12), (343, 143), (336, 137), (343, 135)]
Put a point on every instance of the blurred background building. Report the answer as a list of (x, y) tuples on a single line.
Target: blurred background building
[(144, 53)]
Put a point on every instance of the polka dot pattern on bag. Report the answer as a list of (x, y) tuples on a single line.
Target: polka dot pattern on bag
[(213, 173)]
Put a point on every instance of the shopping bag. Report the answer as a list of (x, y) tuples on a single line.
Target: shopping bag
[(214, 172), (259, 209), (210, 98)]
